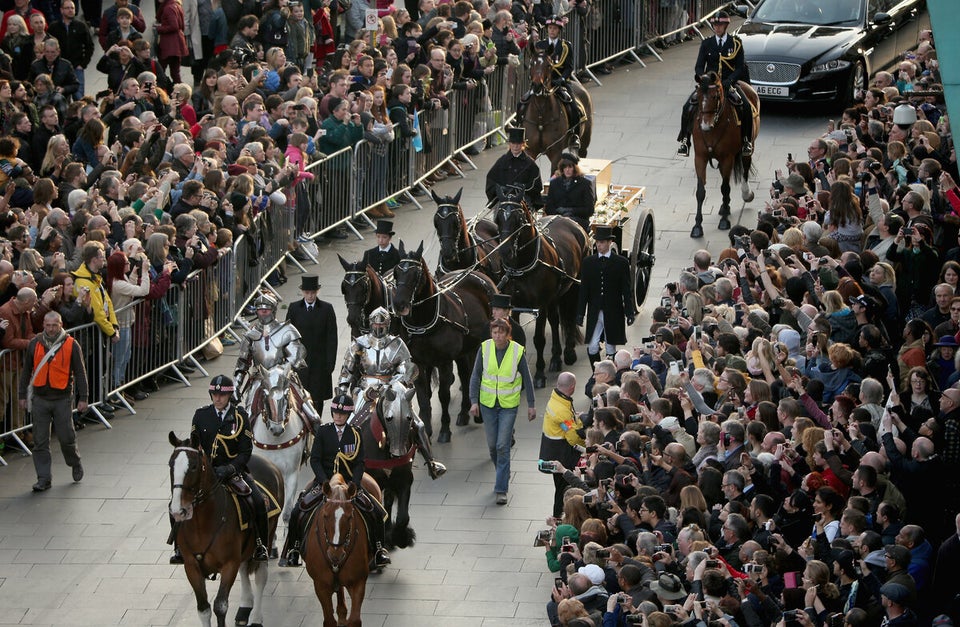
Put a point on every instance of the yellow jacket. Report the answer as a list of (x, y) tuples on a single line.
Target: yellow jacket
[(103, 313), (560, 421)]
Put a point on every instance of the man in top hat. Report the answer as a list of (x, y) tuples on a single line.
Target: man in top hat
[(559, 53), (317, 324), (384, 256), (722, 54), (516, 168), (606, 297), (501, 307)]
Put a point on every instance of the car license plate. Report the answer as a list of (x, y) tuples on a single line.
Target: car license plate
[(767, 90)]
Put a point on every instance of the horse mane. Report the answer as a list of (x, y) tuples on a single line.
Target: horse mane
[(338, 484), (429, 284)]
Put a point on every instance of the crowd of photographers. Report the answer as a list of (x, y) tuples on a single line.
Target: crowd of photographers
[(784, 449)]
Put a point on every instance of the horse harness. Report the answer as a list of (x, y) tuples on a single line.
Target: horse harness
[(437, 316), (453, 211), (357, 277), (515, 273), (199, 496), (346, 545)]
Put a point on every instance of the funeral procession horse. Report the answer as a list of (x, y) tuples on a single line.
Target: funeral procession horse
[(545, 119), (541, 260), (444, 324), (335, 553), (211, 534), (461, 248), (388, 428), (363, 291), (716, 138), (280, 431)]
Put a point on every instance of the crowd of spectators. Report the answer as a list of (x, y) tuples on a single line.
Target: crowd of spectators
[(784, 448)]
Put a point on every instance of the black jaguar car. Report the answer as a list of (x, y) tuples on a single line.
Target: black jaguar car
[(824, 50)]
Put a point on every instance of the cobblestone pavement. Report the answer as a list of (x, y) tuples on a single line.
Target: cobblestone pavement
[(93, 553)]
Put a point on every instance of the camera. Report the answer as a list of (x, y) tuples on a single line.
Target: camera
[(543, 466), (777, 213), (779, 302), (865, 177), (634, 619), (713, 564), (908, 232), (929, 183), (790, 618), (742, 241), (591, 449), (673, 321), (752, 569), (824, 261), (726, 439), (789, 156), (666, 301), (588, 498), (665, 548), (836, 620), (683, 313)]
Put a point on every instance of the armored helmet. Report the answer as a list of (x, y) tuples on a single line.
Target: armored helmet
[(342, 403), (262, 302), (379, 322), (221, 384)]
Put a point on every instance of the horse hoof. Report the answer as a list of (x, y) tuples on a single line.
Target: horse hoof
[(697, 231), (569, 357), (555, 364), (748, 197), (724, 223), (462, 421), (243, 615), (443, 438), (540, 382)]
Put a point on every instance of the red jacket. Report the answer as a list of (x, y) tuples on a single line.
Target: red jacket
[(324, 44), (170, 25)]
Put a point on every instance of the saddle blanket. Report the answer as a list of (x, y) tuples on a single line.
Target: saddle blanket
[(273, 508)]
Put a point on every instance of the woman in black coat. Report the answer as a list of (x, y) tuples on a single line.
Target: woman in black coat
[(571, 194)]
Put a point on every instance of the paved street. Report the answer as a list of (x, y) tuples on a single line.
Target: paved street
[(94, 554)]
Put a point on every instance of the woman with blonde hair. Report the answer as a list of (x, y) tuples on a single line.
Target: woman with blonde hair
[(896, 151), (575, 512), (18, 44), (56, 157)]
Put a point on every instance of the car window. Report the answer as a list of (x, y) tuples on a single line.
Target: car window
[(878, 6), (817, 12)]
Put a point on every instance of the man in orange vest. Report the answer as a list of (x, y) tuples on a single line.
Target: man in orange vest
[(53, 373)]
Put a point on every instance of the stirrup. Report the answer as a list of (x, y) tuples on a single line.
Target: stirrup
[(260, 553), (436, 469), (747, 149), (575, 142), (381, 557), (684, 149), (291, 559)]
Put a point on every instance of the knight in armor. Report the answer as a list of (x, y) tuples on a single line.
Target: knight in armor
[(560, 54), (223, 430), (722, 54), (337, 449), (373, 362), (270, 343)]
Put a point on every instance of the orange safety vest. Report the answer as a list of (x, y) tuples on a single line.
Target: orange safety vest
[(56, 372)]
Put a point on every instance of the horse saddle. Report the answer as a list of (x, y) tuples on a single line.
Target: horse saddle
[(244, 513), (238, 485)]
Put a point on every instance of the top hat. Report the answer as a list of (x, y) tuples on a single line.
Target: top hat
[(516, 135), (384, 227), (603, 232), (309, 283), (501, 301)]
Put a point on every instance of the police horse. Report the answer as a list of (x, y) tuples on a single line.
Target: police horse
[(716, 138), (212, 536)]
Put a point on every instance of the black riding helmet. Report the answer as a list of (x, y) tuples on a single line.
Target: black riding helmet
[(221, 384), (341, 403)]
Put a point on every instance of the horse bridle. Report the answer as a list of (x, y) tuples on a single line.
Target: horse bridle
[(720, 98), (347, 544), (199, 494), (446, 211), (510, 207)]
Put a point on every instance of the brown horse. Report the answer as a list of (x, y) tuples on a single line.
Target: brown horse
[(541, 261), (461, 249), (209, 531), (335, 552), (443, 324), (716, 137), (545, 120)]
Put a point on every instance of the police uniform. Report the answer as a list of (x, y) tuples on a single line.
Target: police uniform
[(333, 453), (605, 289), (382, 261), (521, 171)]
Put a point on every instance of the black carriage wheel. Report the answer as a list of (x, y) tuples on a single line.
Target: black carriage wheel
[(643, 258)]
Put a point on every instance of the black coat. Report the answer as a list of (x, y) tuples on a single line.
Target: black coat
[(76, 44), (381, 262), (229, 442), (318, 333), (574, 198), (521, 171), (605, 286), (61, 73), (326, 459), (729, 70)]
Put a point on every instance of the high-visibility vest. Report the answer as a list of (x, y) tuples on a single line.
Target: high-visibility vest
[(56, 372), (501, 382)]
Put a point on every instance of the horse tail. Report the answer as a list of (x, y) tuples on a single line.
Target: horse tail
[(743, 169)]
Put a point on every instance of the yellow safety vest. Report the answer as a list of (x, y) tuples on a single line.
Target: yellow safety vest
[(501, 382)]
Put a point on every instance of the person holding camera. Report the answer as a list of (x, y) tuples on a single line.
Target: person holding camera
[(561, 433), (127, 280)]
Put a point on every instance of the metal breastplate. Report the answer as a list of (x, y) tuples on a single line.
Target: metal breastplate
[(377, 360), (276, 343)]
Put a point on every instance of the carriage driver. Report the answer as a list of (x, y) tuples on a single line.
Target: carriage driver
[(559, 53), (270, 343), (722, 54), (377, 359), (223, 430), (337, 449)]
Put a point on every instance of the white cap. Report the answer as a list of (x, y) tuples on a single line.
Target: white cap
[(904, 115)]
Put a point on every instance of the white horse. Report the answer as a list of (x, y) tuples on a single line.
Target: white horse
[(280, 432)]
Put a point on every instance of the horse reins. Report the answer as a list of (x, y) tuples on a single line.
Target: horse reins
[(437, 316), (199, 497), (346, 546)]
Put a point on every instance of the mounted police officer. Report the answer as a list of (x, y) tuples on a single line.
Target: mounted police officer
[(271, 343), (516, 169), (223, 431), (337, 449), (559, 52), (722, 54), (376, 360)]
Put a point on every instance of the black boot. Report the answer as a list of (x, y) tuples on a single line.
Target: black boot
[(177, 557), (290, 556), (576, 124), (686, 125), (746, 130), (521, 109), (377, 531), (257, 506)]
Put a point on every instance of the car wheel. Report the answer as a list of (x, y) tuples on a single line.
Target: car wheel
[(858, 80)]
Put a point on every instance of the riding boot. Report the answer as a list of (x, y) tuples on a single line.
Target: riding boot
[(576, 124), (686, 125), (522, 109), (376, 520), (260, 528), (177, 557), (290, 556), (746, 130), (435, 468)]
